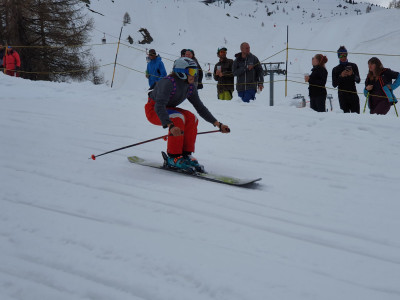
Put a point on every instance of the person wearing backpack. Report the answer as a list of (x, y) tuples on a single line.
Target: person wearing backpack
[(155, 68), (161, 109), (379, 87)]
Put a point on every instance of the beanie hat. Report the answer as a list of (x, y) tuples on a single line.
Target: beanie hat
[(341, 50), (183, 51), (152, 52), (221, 48)]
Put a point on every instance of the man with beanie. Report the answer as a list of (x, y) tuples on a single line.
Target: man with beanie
[(345, 76), (223, 74)]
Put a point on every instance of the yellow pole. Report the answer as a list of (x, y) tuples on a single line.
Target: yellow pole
[(366, 101), (394, 104), (116, 55)]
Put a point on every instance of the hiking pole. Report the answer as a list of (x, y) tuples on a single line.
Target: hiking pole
[(164, 137), (366, 101)]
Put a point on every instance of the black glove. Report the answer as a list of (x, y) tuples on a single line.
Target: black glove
[(17, 68)]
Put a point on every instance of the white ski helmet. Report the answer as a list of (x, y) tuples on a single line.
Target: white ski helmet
[(181, 64)]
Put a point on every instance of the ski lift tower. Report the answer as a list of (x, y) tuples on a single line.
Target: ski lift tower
[(271, 69)]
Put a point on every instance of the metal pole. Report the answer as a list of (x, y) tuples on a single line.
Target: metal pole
[(271, 87), (287, 56), (116, 55)]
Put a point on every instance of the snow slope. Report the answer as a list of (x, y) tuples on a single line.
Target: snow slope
[(322, 224)]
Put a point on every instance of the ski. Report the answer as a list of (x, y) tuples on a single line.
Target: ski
[(229, 180)]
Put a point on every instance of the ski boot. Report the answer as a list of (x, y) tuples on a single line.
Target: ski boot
[(178, 163), (192, 161)]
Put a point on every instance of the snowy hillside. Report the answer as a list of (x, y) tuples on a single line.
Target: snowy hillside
[(192, 24), (322, 224)]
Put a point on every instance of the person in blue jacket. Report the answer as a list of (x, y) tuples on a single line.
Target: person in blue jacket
[(155, 68)]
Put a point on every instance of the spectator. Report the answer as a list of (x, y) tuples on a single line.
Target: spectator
[(183, 52), (2, 52), (379, 86), (317, 80), (249, 73), (199, 78), (345, 76), (11, 62), (223, 74), (155, 68)]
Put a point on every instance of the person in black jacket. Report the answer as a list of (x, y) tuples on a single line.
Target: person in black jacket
[(345, 76), (223, 74), (317, 81), (199, 78), (2, 53)]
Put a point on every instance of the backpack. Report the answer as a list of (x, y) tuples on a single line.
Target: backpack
[(173, 92)]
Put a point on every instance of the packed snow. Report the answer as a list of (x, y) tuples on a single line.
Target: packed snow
[(322, 224)]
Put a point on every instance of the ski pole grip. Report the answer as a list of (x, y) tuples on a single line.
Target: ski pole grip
[(220, 127)]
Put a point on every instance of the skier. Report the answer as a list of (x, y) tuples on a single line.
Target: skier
[(317, 80), (161, 109), (345, 76), (380, 87)]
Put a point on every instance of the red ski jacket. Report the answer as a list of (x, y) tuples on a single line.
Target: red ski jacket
[(11, 60)]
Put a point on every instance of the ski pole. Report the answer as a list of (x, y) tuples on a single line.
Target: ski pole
[(165, 137), (394, 104), (366, 101)]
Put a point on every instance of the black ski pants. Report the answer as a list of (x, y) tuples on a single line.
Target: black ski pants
[(349, 102), (317, 103)]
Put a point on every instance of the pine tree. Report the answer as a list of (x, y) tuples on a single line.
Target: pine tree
[(127, 19), (394, 4), (54, 31)]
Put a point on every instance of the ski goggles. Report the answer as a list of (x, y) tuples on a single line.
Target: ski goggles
[(342, 55), (188, 71)]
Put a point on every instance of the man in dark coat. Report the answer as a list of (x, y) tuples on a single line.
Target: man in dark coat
[(249, 73), (223, 74), (345, 76), (2, 52)]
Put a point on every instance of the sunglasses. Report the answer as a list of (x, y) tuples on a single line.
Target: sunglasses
[(342, 55), (188, 71)]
